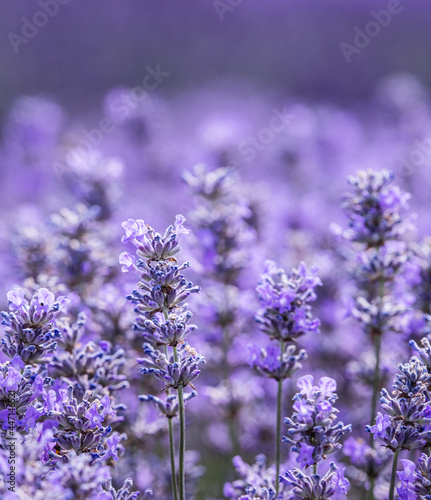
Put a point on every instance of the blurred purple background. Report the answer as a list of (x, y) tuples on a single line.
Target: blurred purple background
[(90, 46)]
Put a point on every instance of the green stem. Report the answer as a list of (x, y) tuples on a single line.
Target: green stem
[(377, 346), (314, 468), (172, 449), (172, 454), (278, 426), (182, 451), (234, 435), (376, 384), (394, 471), (371, 492)]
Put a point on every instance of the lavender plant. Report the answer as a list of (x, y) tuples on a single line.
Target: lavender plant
[(377, 222), (403, 423), (161, 308), (285, 315), (313, 434)]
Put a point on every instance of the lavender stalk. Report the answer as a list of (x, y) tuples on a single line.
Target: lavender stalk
[(163, 319)]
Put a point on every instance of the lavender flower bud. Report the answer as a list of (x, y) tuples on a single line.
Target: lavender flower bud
[(316, 487), (286, 313), (311, 429), (173, 374), (270, 363), (169, 406), (30, 325), (91, 367), (375, 208), (256, 481)]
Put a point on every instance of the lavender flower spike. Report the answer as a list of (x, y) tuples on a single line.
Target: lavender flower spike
[(311, 430)]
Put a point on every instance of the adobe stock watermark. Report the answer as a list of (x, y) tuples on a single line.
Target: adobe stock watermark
[(253, 144), (223, 6), (418, 156), (30, 27), (10, 439), (120, 107), (363, 37)]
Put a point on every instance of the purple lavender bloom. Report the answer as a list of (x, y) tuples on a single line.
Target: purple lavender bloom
[(80, 254), (406, 416), (30, 325), (312, 423), (112, 444), (366, 459), (407, 477), (162, 286), (78, 478), (286, 314), (151, 245), (173, 331), (172, 373), (415, 479), (424, 352), (380, 313), (93, 416), (379, 428), (168, 407), (124, 492), (305, 487), (255, 481), (224, 223), (79, 424), (270, 363), (90, 367), (375, 208), (127, 261), (20, 393), (95, 180)]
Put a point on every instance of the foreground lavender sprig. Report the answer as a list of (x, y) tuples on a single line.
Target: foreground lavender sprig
[(311, 430), (313, 434), (163, 316), (285, 315), (403, 423)]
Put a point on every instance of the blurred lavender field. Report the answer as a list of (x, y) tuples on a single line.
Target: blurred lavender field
[(272, 342)]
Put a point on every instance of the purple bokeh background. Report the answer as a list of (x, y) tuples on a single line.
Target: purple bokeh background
[(91, 46)]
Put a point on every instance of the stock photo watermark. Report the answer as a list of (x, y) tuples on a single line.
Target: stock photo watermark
[(418, 156), (252, 145), (121, 107), (11, 441), (30, 26), (364, 36), (223, 6)]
